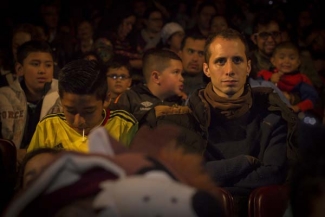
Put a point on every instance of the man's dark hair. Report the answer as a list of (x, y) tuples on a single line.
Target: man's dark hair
[(264, 18), (83, 77), (32, 46), (194, 36), (157, 59), (228, 34)]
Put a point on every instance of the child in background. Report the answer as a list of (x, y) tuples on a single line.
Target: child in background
[(82, 90), (119, 79), (289, 80)]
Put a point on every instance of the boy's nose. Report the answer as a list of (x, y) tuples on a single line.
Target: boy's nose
[(78, 121)]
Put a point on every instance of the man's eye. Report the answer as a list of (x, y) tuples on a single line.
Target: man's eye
[(34, 64), (237, 60), (190, 51), (221, 61)]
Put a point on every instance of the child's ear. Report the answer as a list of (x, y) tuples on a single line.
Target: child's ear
[(155, 77), (19, 69)]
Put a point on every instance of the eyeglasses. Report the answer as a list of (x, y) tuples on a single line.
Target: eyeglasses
[(119, 77), (265, 35)]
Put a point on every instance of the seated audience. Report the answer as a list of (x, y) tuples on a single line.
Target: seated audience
[(82, 90)]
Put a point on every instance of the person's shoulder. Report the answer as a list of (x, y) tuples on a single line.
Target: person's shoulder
[(53, 118), (122, 115)]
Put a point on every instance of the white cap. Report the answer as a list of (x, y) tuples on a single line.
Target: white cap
[(169, 29)]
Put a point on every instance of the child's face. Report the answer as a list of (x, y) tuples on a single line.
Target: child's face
[(286, 60), (171, 79), (118, 80), (37, 69), (82, 112), (36, 166), (176, 40), (218, 23)]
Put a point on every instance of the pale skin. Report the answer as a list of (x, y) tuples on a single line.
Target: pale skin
[(228, 67), (168, 82)]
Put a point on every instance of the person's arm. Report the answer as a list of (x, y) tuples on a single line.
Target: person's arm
[(241, 171)]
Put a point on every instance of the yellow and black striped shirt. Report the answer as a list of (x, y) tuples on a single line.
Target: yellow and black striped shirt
[(53, 131)]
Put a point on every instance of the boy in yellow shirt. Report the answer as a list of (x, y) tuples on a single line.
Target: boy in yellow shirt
[(82, 90)]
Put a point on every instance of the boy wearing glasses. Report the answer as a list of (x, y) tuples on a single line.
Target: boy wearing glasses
[(118, 79)]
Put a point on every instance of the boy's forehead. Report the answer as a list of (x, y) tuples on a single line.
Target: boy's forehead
[(118, 69), (39, 55)]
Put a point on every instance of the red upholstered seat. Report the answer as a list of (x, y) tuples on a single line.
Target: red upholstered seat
[(268, 201)]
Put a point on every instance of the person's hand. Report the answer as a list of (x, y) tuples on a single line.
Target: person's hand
[(253, 160), (295, 108), (275, 78)]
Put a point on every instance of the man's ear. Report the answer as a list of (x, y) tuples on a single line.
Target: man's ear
[(206, 70), (272, 60), (180, 54), (254, 38), (249, 67), (19, 69)]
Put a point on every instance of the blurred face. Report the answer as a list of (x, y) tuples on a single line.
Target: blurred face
[(193, 56), (50, 16), (286, 60), (205, 16), (126, 26), (267, 37), (85, 31), (36, 166), (176, 40), (228, 67), (37, 70), (218, 23), (118, 80), (171, 79), (154, 22), (82, 112), (18, 39)]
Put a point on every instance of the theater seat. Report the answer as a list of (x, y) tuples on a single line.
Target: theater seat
[(227, 202), (268, 201), (7, 171)]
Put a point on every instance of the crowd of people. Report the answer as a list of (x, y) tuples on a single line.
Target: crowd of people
[(234, 82)]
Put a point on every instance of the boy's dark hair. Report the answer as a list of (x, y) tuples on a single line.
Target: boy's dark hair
[(286, 45), (118, 62), (83, 77), (228, 34), (157, 59), (194, 36), (32, 46)]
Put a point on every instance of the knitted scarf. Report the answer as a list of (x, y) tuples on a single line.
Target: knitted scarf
[(229, 108)]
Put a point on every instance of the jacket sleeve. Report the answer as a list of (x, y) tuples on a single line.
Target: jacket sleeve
[(239, 172), (7, 119), (273, 157), (128, 133)]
